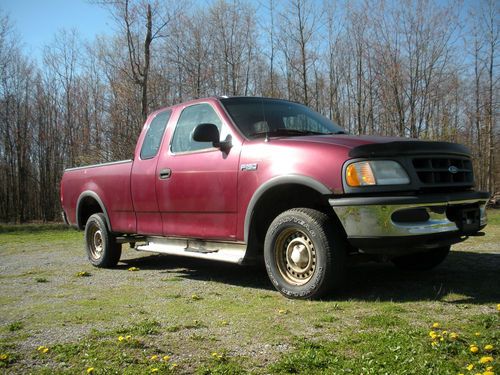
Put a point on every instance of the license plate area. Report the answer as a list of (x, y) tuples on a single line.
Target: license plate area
[(467, 218)]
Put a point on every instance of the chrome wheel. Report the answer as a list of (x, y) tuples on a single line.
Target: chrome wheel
[(100, 244), (304, 254), (295, 256), (96, 247)]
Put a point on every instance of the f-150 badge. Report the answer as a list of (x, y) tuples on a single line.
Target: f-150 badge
[(249, 167)]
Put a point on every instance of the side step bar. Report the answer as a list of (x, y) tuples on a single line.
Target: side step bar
[(221, 251)]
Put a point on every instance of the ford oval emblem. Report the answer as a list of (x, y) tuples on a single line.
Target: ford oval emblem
[(452, 169)]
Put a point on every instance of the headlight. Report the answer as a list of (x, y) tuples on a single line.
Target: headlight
[(376, 172)]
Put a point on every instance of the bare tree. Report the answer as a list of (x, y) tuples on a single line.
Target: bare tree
[(233, 30), (61, 60), (491, 22), (141, 22), (299, 24)]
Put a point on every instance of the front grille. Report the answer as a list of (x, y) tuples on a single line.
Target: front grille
[(444, 171)]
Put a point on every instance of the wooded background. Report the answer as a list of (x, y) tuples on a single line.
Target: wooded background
[(415, 68)]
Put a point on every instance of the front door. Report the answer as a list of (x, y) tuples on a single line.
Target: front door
[(197, 184)]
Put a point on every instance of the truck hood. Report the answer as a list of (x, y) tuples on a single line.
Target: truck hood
[(370, 146)]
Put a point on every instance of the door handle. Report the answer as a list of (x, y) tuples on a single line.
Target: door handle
[(165, 173)]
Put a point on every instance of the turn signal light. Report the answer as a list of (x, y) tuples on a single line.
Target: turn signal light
[(360, 174)]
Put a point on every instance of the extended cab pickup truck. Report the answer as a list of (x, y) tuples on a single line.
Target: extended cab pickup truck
[(237, 179)]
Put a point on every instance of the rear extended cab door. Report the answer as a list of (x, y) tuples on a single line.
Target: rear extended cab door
[(196, 183), (143, 181)]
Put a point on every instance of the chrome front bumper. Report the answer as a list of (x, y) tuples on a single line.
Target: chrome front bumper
[(366, 219)]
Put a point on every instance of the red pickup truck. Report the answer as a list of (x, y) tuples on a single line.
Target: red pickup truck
[(237, 179)]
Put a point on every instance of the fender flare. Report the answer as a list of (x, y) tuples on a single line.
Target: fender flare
[(277, 181), (93, 195)]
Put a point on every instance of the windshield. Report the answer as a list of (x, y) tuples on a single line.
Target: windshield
[(261, 117)]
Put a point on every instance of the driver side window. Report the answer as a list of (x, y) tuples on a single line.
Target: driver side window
[(182, 140)]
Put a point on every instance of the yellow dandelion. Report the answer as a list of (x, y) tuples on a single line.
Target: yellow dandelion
[(435, 325), (154, 357), (474, 349), (133, 269), (121, 338), (486, 360), (3, 357), (433, 334), (498, 307), (195, 297), (128, 337), (469, 367), (444, 333), (489, 368), (488, 348), (453, 336), (173, 366), (477, 334), (83, 274), (282, 311), (90, 370), (43, 349), (153, 370), (434, 343), (488, 373), (217, 356)]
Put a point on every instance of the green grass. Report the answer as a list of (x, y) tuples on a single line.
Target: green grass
[(494, 217), (396, 351), (33, 228), (186, 316), (15, 326), (146, 327)]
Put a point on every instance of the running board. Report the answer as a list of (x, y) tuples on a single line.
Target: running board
[(221, 251)]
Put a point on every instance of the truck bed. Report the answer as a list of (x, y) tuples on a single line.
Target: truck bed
[(107, 182)]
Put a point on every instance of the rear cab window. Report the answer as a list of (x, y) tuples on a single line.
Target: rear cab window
[(154, 135)]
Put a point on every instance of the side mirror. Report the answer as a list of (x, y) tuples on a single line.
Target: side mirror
[(206, 133), (210, 133)]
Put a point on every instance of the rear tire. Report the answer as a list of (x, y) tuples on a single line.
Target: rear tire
[(422, 261), (304, 254), (100, 244)]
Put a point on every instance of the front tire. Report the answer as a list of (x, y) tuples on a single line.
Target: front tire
[(100, 244), (422, 261), (304, 254)]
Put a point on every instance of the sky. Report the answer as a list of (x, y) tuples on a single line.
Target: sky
[(37, 21)]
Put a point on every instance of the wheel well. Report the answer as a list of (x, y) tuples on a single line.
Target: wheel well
[(87, 207), (277, 200)]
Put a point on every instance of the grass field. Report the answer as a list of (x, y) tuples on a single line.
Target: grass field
[(59, 315)]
